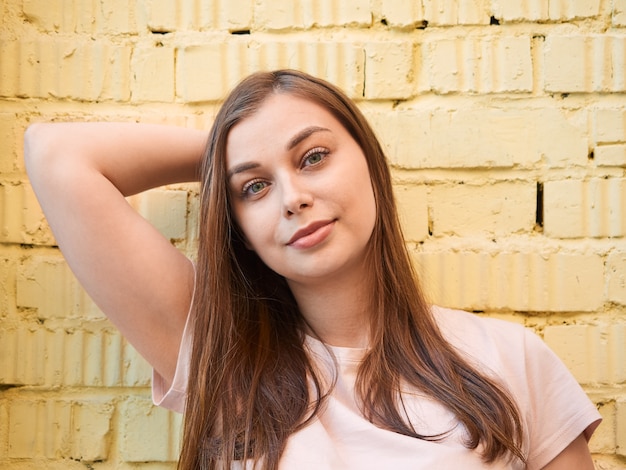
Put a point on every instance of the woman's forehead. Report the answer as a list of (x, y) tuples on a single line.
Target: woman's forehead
[(278, 122)]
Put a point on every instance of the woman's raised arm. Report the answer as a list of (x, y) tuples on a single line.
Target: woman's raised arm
[(81, 173)]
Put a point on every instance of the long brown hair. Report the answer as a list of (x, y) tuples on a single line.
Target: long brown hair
[(250, 377)]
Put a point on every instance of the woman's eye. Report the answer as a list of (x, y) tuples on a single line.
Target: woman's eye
[(254, 187), (314, 157)]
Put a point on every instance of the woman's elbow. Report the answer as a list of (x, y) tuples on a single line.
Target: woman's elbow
[(33, 145), (41, 149)]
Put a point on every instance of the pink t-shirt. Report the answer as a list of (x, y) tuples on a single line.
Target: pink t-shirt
[(554, 409)]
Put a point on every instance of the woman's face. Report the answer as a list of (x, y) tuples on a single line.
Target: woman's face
[(300, 190)]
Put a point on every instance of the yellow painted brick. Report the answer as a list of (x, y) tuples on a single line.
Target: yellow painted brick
[(11, 132), (482, 138), (619, 13), (162, 15), (182, 15), (620, 431), (194, 224), (413, 211), (389, 70), (153, 74), (97, 359), (593, 208), (76, 16), (136, 370), (285, 14), (603, 440), (52, 15), (8, 264), (148, 433), (165, 209), (493, 209), (47, 285), (453, 12), (69, 357), (10, 67), (59, 429), (616, 277), (22, 357), (571, 10), (515, 10), (610, 125), (479, 65), (594, 354), (610, 155), (593, 63), (4, 429), (118, 17), (91, 426), (402, 14), (63, 68), (29, 436), (234, 15), (21, 219), (89, 356), (608, 462), (513, 280), (197, 78)]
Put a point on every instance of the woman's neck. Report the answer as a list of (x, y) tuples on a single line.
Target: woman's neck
[(337, 312)]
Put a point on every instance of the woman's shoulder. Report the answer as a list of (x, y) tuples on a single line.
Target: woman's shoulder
[(536, 378), (507, 349), (470, 330)]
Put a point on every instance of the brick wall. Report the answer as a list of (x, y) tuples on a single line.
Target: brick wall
[(505, 122)]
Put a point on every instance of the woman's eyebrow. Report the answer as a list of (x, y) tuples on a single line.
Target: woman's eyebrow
[(303, 134), (241, 168)]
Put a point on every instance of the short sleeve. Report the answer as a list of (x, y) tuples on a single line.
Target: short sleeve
[(174, 396), (558, 408), (554, 408)]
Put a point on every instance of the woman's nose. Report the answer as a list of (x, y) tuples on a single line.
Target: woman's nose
[(296, 196)]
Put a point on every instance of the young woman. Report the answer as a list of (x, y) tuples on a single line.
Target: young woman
[(308, 343)]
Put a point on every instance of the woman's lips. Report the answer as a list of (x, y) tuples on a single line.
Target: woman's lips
[(311, 235)]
